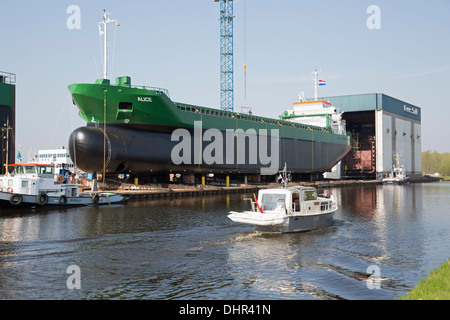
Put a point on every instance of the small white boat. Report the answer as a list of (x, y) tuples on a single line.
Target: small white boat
[(397, 174), (288, 209), (35, 184)]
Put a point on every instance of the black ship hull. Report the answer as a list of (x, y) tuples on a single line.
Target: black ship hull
[(148, 149)]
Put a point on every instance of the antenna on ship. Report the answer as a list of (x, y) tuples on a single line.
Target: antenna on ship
[(316, 83), (103, 30), (284, 176)]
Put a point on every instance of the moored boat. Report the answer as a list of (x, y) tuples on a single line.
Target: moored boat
[(398, 174), (35, 185)]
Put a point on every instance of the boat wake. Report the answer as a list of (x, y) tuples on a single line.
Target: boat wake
[(248, 236)]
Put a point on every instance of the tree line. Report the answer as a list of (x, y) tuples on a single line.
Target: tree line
[(436, 162)]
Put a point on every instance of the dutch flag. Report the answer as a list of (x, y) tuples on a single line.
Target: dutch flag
[(322, 83)]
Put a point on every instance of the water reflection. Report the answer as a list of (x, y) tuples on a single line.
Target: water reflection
[(188, 248), (272, 266), (375, 225)]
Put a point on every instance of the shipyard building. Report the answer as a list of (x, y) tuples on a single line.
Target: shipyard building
[(381, 128), (7, 118)]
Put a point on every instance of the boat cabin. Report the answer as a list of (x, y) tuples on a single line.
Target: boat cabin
[(297, 200), (33, 179)]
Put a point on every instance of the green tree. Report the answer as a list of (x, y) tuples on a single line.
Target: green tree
[(436, 162), (444, 168)]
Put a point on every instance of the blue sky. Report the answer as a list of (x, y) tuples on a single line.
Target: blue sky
[(175, 45)]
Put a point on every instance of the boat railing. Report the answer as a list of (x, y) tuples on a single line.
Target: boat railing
[(253, 204), (156, 89), (326, 205)]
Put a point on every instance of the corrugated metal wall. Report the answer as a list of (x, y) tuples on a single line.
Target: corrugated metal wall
[(397, 128)]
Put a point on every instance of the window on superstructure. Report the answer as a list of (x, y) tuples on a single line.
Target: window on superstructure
[(310, 195)]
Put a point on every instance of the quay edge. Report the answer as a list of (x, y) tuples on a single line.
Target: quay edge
[(205, 190)]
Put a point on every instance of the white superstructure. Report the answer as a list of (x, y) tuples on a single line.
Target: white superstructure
[(318, 113), (58, 157)]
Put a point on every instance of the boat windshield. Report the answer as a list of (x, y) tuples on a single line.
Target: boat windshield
[(45, 170), (270, 200), (29, 169), (19, 170)]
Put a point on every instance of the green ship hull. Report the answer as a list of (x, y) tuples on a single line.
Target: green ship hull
[(141, 130)]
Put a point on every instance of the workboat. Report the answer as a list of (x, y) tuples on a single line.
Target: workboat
[(397, 174), (288, 209), (37, 185)]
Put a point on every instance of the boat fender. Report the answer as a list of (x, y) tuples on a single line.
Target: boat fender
[(95, 199), (62, 199), (42, 199), (60, 178), (16, 199), (10, 190)]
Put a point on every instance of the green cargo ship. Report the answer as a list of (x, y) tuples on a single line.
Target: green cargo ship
[(140, 129), (134, 129)]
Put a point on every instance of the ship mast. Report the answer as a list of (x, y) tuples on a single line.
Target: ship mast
[(316, 83), (103, 29), (7, 144)]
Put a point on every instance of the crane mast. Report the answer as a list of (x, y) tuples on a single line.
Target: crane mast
[(226, 55)]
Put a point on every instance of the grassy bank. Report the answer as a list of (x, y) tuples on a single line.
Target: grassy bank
[(435, 287)]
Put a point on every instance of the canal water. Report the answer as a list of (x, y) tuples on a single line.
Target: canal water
[(384, 240)]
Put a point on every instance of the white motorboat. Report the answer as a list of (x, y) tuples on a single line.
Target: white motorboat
[(35, 184), (288, 209)]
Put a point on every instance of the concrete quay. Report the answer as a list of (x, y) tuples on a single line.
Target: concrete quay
[(176, 190)]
